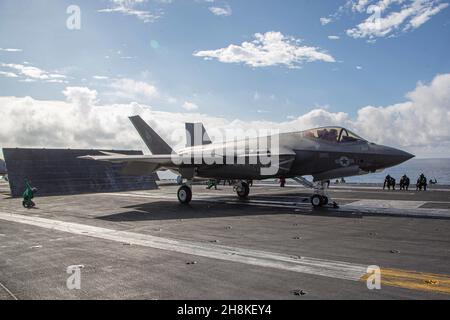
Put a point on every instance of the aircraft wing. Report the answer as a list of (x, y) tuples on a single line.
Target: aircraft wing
[(165, 159), (147, 164), (137, 164)]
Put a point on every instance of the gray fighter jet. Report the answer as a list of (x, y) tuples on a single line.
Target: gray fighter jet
[(324, 153)]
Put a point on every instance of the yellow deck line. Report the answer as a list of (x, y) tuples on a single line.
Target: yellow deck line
[(414, 280)]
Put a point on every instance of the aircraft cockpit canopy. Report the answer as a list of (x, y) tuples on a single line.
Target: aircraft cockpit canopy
[(332, 134)]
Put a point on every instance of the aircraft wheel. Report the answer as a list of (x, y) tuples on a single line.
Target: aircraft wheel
[(316, 200), (28, 204), (184, 194), (243, 190), (324, 200)]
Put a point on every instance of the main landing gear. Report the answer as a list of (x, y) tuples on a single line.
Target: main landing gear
[(184, 194), (318, 200), (28, 204), (242, 189)]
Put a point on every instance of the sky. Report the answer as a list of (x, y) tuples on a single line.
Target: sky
[(71, 72)]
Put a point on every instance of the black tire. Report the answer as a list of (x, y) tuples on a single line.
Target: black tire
[(324, 201), (316, 201), (244, 191), (28, 204), (184, 194)]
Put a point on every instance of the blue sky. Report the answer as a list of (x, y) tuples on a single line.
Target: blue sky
[(390, 67), (116, 50)]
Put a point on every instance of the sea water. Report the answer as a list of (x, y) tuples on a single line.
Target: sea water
[(438, 169)]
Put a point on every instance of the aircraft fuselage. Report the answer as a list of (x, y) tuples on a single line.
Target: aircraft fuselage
[(297, 154)]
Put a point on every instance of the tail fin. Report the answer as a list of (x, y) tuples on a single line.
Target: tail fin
[(196, 135), (153, 141)]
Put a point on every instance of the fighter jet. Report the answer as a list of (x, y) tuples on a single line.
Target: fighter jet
[(323, 153)]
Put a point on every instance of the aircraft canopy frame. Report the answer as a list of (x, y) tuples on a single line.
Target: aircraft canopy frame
[(332, 135)]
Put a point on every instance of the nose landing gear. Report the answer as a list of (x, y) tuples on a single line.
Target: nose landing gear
[(320, 196), (318, 200)]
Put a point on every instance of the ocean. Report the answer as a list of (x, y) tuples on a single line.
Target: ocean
[(432, 168)]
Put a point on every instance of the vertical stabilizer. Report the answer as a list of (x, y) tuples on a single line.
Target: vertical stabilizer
[(153, 141), (196, 135)]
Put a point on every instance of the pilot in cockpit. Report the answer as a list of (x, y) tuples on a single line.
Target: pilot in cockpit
[(332, 135)]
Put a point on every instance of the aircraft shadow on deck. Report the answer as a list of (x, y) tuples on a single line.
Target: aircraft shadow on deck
[(169, 210)]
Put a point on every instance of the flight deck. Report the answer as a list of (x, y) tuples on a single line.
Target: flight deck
[(274, 245)]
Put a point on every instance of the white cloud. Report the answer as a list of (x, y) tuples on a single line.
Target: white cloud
[(171, 100), (419, 124), (386, 18), (10, 50), (268, 49), (100, 77), (189, 106), (128, 7), (360, 5), (80, 122), (221, 11), (8, 74), (425, 14), (82, 98), (333, 37), (389, 17), (133, 90), (27, 80), (80, 95), (34, 73), (354, 6), (324, 21), (359, 67)]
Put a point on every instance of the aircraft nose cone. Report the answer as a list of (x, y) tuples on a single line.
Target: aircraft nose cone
[(404, 156), (394, 156)]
